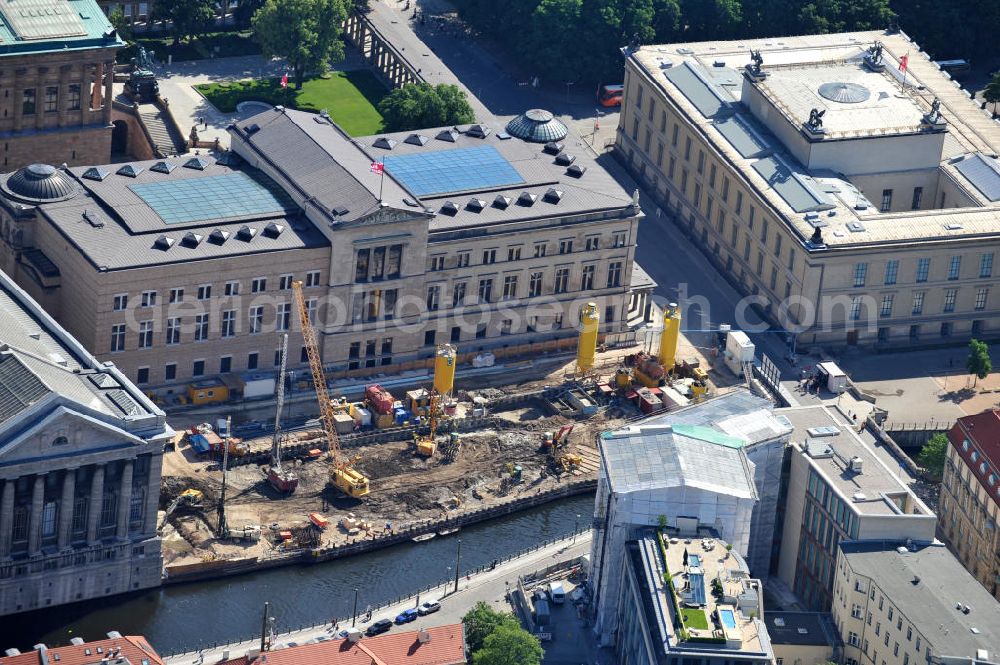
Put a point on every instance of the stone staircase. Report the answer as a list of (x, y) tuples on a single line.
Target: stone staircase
[(167, 140)]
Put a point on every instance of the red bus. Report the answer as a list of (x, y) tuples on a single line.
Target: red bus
[(610, 94)]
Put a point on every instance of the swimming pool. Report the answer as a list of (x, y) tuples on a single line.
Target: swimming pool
[(728, 618), (694, 561)]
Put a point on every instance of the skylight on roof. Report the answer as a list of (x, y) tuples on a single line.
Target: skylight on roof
[(96, 173), (448, 171), (199, 199)]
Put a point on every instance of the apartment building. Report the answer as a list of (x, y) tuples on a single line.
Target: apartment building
[(852, 196), (910, 604), (57, 77), (677, 476), (182, 268), (970, 496), (80, 456), (688, 599), (838, 489)]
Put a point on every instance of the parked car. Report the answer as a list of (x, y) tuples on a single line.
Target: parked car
[(406, 616), (379, 627), (430, 607)]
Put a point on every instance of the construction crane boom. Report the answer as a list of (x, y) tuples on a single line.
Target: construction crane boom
[(343, 474), (276, 440)]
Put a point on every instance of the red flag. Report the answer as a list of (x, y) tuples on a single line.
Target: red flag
[(284, 80), (377, 167), (904, 62)]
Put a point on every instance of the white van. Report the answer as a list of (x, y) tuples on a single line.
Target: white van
[(557, 593)]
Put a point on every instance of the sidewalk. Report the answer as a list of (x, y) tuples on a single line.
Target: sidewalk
[(490, 586)]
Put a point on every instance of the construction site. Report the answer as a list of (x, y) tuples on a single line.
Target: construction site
[(418, 464)]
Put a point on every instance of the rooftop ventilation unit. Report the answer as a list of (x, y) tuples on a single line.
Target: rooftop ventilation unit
[(449, 135), (130, 171), (449, 209), (553, 195), (163, 167), (501, 201), (339, 211), (164, 243), (385, 143), (855, 227), (818, 449), (246, 233), (192, 239), (114, 635), (218, 236), (527, 199), (576, 170), (476, 205), (273, 230), (564, 159), (857, 465), (10, 653), (553, 148), (859, 497), (76, 641), (478, 131), (92, 219), (416, 139), (196, 163), (252, 129), (96, 173)]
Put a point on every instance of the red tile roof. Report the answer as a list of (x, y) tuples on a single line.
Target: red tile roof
[(983, 432), (134, 648), (446, 647)]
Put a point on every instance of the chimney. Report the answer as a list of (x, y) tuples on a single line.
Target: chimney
[(424, 636)]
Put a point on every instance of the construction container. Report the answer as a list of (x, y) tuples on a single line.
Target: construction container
[(361, 415), (384, 420), (400, 415), (672, 399), (834, 378), (417, 399), (343, 423), (319, 521), (648, 402), (444, 369), (668, 338), (450, 407), (739, 351), (258, 386), (590, 323), (379, 398), (207, 392)]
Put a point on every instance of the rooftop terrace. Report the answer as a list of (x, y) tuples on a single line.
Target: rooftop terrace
[(711, 589)]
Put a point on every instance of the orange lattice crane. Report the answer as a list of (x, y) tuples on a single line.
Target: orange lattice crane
[(343, 474)]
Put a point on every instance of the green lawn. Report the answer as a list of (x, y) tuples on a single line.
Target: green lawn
[(349, 97), (694, 618)]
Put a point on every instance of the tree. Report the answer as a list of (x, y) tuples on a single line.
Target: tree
[(481, 621), (188, 18), (933, 454), (509, 644), (121, 24), (992, 91), (978, 363), (306, 33), (422, 105)]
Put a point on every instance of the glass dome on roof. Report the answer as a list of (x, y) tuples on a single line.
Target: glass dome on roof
[(537, 126), (40, 183)]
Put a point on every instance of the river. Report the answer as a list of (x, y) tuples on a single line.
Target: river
[(187, 616)]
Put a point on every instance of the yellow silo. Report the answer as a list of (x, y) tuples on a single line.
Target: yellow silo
[(587, 349), (444, 369), (668, 339)]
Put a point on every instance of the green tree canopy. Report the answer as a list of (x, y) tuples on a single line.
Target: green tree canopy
[(189, 18), (933, 454), (992, 91), (422, 105), (304, 32), (121, 24), (481, 621), (978, 363), (509, 644)]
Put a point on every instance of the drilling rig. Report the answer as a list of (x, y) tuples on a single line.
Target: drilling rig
[(342, 472), (282, 479)]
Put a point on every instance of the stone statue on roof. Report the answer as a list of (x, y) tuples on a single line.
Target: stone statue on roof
[(758, 61), (815, 118), (875, 52)]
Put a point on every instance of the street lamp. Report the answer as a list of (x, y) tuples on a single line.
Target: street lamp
[(458, 561), (568, 84), (354, 614)]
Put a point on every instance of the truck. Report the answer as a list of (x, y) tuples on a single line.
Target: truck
[(543, 617), (557, 593), (831, 376)]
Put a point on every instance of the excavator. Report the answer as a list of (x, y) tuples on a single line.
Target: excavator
[(344, 476), (282, 479)]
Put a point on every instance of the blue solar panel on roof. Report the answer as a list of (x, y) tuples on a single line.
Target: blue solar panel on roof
[(447, 171), (217, 197)]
